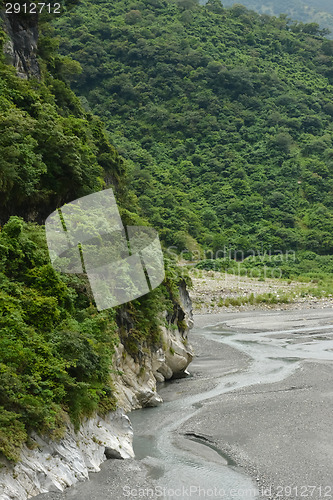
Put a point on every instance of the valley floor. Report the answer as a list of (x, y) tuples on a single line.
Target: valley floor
[(212, 289), (279, 434)]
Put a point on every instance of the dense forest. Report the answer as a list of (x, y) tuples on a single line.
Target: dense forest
[(223, 115), (55, 348)]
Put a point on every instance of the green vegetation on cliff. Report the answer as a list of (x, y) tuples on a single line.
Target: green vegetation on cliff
[(225, 117), (55, 348), (51, 151)]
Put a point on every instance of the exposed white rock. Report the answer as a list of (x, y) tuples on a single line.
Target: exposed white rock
[(177, 355), (55, 465), (136, 381)]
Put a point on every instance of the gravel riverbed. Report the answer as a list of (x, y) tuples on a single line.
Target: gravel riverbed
[(278, 434), (210, 287)]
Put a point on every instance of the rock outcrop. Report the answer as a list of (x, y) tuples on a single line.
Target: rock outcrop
[(136, 382), (21, 47), (54, 465)]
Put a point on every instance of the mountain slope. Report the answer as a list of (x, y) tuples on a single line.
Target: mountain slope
[(224, 115)]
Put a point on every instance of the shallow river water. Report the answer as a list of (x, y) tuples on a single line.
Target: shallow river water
[(189, 466)]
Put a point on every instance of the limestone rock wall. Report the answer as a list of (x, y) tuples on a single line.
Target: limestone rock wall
[(136, 383), (21, 46), (54, 465)]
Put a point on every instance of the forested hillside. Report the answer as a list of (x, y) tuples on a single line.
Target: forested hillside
[(225, 117)]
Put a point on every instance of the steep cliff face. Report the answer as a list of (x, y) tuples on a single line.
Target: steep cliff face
[(55, 465), (48, 465), (21, 47)]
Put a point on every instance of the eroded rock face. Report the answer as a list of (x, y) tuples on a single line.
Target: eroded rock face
[(21, 48), (55, 465), (136, 383)]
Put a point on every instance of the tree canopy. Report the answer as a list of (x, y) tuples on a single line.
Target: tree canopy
[(223, 115)]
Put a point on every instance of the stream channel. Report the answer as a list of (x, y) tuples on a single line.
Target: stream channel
[(190, 466)]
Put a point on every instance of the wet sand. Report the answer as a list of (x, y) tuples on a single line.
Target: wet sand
[(280, 434)]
